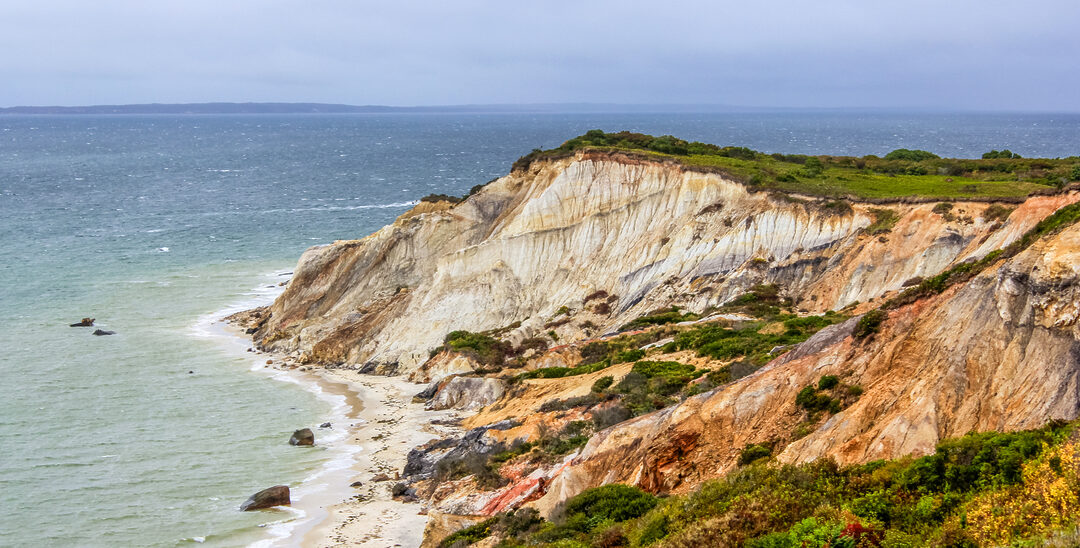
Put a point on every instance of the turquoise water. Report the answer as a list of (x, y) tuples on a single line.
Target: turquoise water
[(156, 225)]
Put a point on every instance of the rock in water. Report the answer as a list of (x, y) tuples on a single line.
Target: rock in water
[(325, 425), (277, 495), (304, 436), (100, 332), (86, 322)]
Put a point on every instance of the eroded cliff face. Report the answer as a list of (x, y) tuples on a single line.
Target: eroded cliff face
[(1000, 352), (654, 234)]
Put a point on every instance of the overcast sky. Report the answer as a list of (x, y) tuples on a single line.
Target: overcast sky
[(968, 54)]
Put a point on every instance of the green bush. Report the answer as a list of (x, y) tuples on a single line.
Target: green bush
[(899, 503), (631, 355), (660, 317), (753, 452), (884, 220), (827, 382), (483, 348), (1000, 154), (911, 155), (870, 323), (471, 534), (609, 503), (603, 383)]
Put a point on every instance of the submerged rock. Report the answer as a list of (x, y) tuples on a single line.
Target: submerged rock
[(100, 332), (86, 322), (277, 495), (303, 436), (325, 425)]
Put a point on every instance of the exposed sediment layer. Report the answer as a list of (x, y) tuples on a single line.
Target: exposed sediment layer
[(653, 234), (525, 254)]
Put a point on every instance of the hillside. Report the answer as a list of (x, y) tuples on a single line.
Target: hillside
[(607, 313)]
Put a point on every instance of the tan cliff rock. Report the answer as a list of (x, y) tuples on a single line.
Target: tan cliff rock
[(1000, 352), (652, 233)]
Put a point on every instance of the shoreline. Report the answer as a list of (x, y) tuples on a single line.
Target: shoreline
[(374, 424)]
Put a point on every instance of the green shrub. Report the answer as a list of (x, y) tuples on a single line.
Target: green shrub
[(441, 198), (660, 317), (870, 323), (603, 383), (753, 452), (471, 534), (631, 355), (485, 349), (1000, 154), (1074, 173), (884, 220), (911, 155), (943, 208), (609, 503), (827, 382)]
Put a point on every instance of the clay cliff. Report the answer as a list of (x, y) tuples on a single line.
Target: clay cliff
[(652, 233), (553, 260)]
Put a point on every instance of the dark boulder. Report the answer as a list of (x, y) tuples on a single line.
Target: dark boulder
[(277, 495), (100, 332), (86, 322), (304, 436), (325, 425)]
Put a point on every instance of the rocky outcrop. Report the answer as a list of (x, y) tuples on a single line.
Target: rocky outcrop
[(467, 393), (277, 495), (304, 436), (649, 234)]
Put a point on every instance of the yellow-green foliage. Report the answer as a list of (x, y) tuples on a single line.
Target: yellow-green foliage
[(1047, 499), (901, 173)]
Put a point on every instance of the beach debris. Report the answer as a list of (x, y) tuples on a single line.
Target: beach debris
[(356, 484), (380, 477), (268, 362), (303, 436), (86, 322), (100, 332), (277, 495), (325, 425)]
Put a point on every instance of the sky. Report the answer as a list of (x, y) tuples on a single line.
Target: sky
[(942, 54)]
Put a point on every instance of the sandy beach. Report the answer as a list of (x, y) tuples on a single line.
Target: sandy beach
[(372, 433), (385, 428)]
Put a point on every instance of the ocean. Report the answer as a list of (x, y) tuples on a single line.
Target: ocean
[(157, 226)]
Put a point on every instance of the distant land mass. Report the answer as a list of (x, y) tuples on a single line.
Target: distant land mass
[(326, 108)]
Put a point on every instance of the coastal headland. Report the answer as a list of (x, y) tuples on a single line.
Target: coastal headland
[(646, 341)]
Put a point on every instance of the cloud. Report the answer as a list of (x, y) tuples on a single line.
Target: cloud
[(830, 53)]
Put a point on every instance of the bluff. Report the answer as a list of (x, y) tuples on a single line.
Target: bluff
[(614, 317), (653, 233)]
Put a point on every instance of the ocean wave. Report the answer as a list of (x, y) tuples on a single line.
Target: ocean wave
[(316, 208)]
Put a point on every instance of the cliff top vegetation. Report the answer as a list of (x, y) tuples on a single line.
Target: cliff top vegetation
[(900, 174)]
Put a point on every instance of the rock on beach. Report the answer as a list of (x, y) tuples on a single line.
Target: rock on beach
[(277, 495)]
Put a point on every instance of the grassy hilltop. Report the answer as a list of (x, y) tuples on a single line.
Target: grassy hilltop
[(901, 173)]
